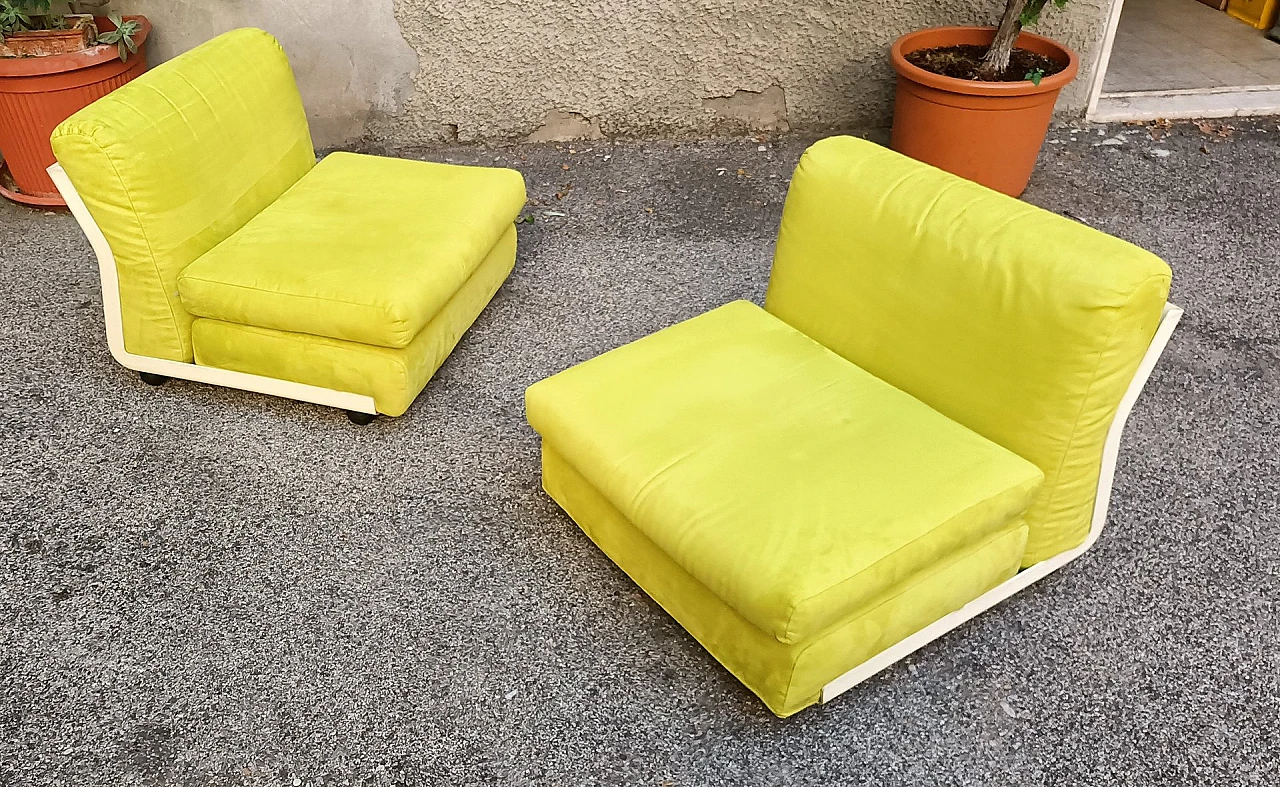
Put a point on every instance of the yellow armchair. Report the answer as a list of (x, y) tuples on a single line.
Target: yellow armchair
[(922, 420), (229, 256)]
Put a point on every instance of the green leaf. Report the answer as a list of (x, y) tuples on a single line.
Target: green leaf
[(20, 15), (1034, 76), (1031, 12), (13, 18), (122, 36)]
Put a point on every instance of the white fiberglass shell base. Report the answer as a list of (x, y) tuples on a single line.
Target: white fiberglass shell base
[(184, 371), (1110, 451)]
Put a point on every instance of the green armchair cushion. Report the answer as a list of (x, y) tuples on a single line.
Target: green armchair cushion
[(363, 248), (176, 161), (1020, 324), (797, 488)]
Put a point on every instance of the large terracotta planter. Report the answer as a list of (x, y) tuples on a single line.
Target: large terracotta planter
[(38, 93), (989, 132)]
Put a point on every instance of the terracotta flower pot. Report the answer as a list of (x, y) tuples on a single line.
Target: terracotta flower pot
[(988, 132), (38, 93)]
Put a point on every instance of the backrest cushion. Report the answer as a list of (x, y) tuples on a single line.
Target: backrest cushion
[(172, 163), (1020, 324)]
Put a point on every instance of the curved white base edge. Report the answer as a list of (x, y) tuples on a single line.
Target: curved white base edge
[(184, 371), (1110, 452)]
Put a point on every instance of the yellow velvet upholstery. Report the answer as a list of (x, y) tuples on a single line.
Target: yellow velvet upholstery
[(392, 376), (786, 677), (919, 410), (1020, 324), (363, 248), (793, 485), (357, 275), (173, 163)]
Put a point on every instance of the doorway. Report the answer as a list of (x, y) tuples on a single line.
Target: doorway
[(1188, 58)]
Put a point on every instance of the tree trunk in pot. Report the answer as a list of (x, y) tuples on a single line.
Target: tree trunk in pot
[(996, 61)]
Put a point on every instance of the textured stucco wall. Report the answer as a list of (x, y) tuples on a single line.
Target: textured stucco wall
[(410, 72), (350, 59), (496, 68), (1080, 26)]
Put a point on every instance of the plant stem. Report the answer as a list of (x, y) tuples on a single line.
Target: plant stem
[(996, 61)]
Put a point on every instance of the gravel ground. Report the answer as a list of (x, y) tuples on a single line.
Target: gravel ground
[(203, 586)]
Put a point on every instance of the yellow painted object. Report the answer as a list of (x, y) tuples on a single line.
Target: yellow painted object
[(234, 250), (918, 411), (1261, 14)]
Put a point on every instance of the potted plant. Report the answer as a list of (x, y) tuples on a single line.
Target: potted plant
[(50, 67), (977, 101)]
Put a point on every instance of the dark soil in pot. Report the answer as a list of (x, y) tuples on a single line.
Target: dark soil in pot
[(962, 60)]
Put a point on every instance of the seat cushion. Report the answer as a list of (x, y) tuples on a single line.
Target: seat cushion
[(786, 677), (796, 487), (362, 248), (392, 376)]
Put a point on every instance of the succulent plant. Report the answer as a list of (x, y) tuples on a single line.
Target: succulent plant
[(19, 16), (122, 36)]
